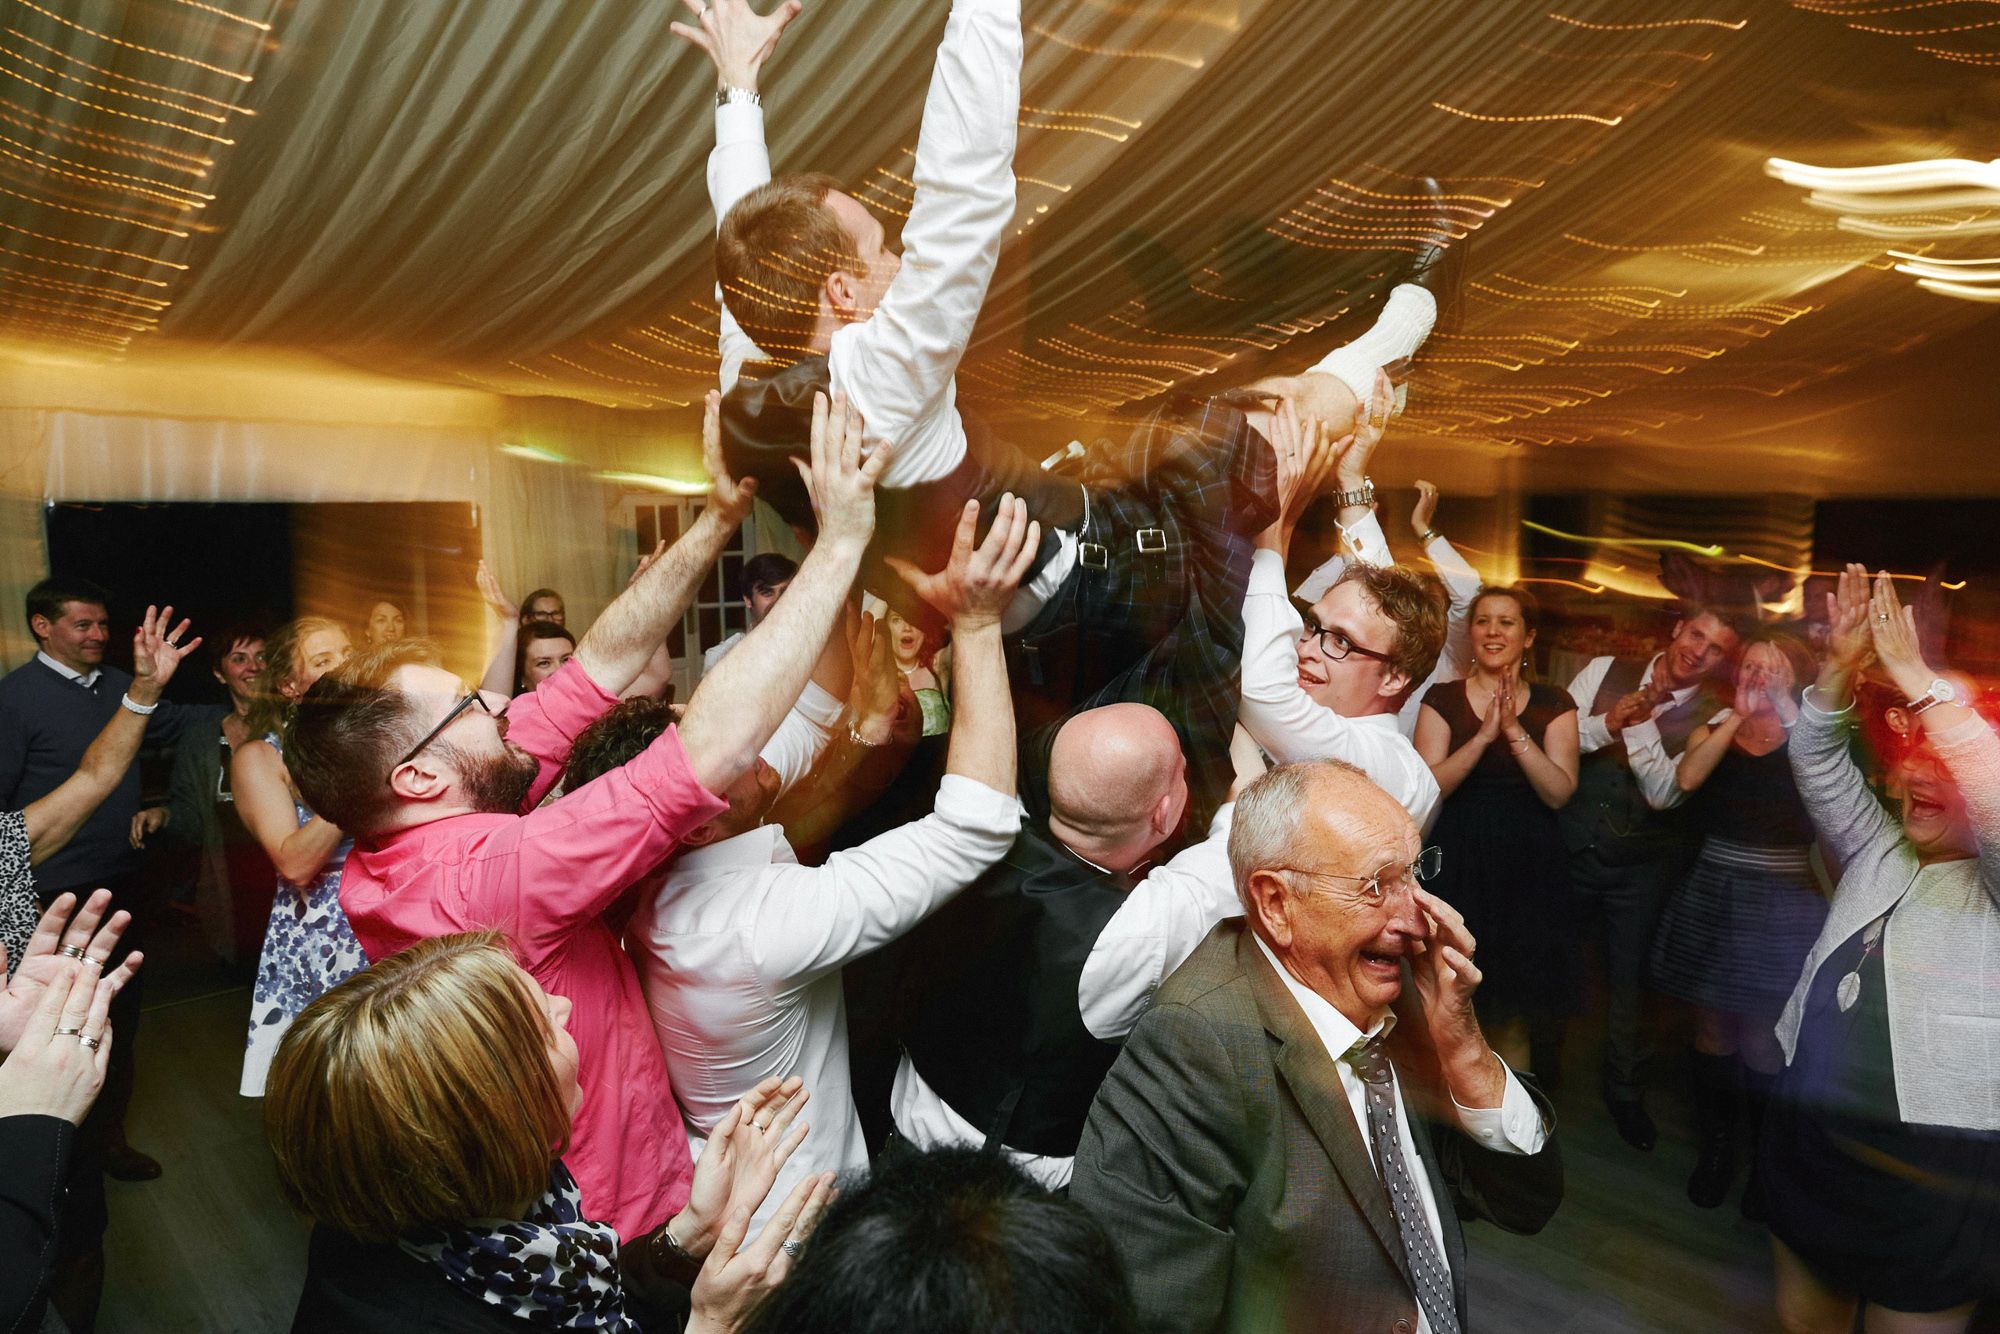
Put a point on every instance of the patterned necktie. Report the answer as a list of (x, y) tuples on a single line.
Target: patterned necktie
[(1433, 1280)]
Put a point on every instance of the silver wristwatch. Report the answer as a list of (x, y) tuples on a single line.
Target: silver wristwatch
[(1938, 692), (1364, 496), (729, 97)]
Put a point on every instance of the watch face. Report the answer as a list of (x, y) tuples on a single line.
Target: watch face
[(1944, 692)]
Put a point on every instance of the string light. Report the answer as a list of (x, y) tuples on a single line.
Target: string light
[(134, 46), (1529, 119)]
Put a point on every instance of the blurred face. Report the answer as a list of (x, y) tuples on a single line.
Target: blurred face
[(1765, 666), (1500, 634), (385, 623), (1347, 945), (77, 637), (561, 1047), (905, 641), (763, 597), (542, 657), (1356, 685), (237, 671), (1935, 819), (317, 654), (547, 607), (1698, 647), (855, 296)]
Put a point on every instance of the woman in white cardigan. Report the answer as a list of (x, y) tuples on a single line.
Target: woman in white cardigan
[(1881, 1157)]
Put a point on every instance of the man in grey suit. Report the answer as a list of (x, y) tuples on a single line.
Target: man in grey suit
[(1293, 1131)]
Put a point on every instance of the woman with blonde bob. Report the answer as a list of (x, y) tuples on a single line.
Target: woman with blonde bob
[(418, 1113)]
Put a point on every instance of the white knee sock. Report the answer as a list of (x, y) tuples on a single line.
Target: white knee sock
[(1400, 329)]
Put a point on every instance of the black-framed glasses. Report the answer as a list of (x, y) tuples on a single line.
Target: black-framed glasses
[(1334, 645), (1417, 872), (475, 698)]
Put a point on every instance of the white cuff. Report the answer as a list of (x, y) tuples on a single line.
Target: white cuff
[(1267, 573), (1515, 1126), (738, 123)]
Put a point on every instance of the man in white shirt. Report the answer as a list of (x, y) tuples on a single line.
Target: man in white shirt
[(1333, 690), (741, 948), (1626, 842), (1296, 1127), (764, 578)]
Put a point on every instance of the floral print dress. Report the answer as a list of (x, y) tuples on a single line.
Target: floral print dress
[(308, 947)]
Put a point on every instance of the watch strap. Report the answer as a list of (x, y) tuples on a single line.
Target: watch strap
[(1364, 496), (725, 97)]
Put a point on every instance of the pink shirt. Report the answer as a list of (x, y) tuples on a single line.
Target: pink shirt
[(543, 878)]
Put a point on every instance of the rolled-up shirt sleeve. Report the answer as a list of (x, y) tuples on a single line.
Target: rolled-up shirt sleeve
[(1653, 769), (547, 720)]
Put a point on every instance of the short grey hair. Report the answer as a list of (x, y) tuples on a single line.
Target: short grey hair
[(1268, 815)]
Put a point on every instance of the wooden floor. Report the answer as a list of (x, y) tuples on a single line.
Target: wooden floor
[(211, 1249)]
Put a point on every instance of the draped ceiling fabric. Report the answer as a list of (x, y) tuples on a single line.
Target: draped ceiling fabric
[(507, 196)]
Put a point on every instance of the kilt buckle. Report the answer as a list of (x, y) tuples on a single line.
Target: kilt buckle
[(1152, 540), (1093, 556)]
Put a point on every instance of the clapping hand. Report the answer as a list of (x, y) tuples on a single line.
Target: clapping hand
[(977, 583), (729, 498), (737, 38), (1896, 643), (1850, 641), (59, 947), (57, 1064), (736, 1277), (741, 1160), (157, 652)]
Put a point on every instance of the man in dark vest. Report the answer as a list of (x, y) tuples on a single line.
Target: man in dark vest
[(1013, 998), (1626, 837), (1144, 537)]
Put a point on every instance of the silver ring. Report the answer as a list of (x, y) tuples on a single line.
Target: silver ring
[(68, 1032), (792, 1248), (73, 952), (90, 1042)]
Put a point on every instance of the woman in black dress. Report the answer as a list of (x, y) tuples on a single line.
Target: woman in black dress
[(1732, 938), (1505, 755)]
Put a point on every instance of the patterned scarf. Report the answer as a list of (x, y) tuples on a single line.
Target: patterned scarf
[(554, 1269)]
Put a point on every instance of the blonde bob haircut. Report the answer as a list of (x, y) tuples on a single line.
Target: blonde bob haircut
[(418, 1093)]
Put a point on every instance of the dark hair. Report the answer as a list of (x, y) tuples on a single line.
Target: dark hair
[(766, 570), (530, 632), (774, 251), (953, 1241), (49, 597), (1416, 603), (1746, 623), (233, 633), (346, 732), (537, 596), (615, 738)]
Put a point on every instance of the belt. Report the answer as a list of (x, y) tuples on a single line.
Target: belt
[(1097, 556)]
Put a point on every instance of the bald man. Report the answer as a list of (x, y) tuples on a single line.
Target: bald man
[(1013, 998)]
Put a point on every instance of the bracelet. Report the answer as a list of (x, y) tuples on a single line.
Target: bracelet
[(1515, 746), (1428, 536), (730, 97), (143, 710), (665, 1237)]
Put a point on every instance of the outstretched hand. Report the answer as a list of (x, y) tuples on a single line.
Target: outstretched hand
[(729, 498), (42, 963), (737, 1276), (157, 651), (57, 1066), (841, 482), (1850, 642), (1369, 423), (496, 597), (1423, 517), (737, 38), (1896, 642), (878, 686), (976, 585)]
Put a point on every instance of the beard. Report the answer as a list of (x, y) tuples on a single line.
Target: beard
[(496, 785)]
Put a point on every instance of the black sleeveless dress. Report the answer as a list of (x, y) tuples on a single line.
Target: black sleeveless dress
[(1505, 864)]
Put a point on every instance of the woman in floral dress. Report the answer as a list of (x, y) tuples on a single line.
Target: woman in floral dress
[(308, 946)]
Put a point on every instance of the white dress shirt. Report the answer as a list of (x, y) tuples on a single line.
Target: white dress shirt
[(1515, 1126), (84, 679), (802, 735), (1291, 726), (1164, 917), (740, 954), (714, 653), (898, 367), (1652, 768), (1366, 543)]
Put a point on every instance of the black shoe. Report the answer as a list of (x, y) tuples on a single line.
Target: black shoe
[(125, 1163), (1634, 1126), (1712, 1174)]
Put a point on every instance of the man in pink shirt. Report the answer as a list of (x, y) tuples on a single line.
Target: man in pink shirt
[(440, 795)]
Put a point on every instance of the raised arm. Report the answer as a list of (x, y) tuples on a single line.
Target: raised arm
[(1843, 810), (738, 41), (897, 366), (1461, 582), (618, 644), (54, 819), (499, 678), (738, 706)]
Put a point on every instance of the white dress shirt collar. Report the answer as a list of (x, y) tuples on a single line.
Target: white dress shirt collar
[(1335, 1029), (1678, 697), (85, 679)]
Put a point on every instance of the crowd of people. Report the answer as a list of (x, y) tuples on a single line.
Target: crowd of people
[(1047, 915)]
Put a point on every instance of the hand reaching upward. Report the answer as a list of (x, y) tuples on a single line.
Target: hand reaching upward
[(157, 652), (737, 38), (978, 583)]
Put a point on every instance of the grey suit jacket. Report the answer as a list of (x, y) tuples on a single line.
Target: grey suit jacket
[(1224, 1160)]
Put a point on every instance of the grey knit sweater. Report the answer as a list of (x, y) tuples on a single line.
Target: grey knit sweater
[(1941, 949)]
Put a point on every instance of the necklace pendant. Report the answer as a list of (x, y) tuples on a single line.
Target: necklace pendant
[(1848, 992)]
